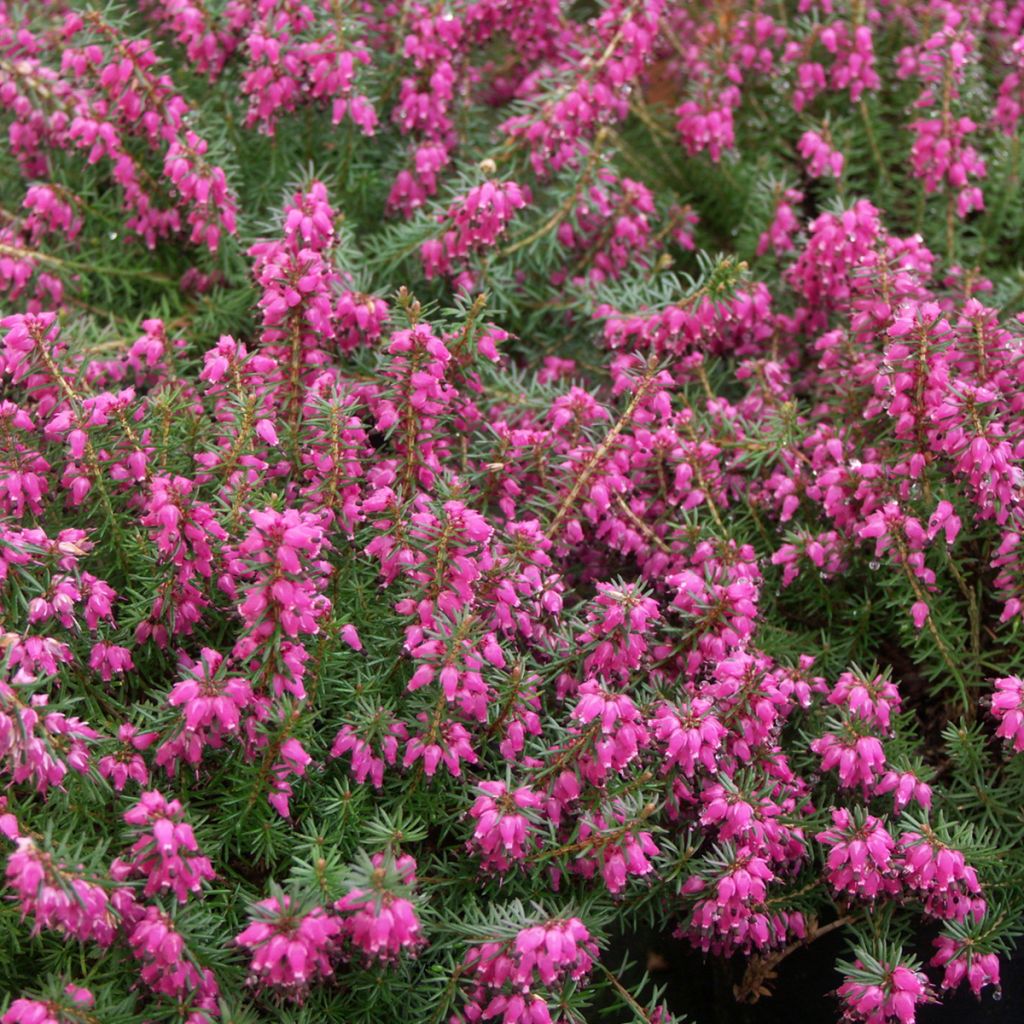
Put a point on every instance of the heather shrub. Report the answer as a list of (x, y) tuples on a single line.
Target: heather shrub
[(479, 480)]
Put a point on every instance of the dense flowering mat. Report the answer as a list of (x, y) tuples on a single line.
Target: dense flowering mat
[(424, 560)]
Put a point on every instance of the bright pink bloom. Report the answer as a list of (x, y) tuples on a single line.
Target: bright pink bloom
[(1008, 707), (860, 856), (893, 996), (58, 897), (961, 962), (166, 853), (69, 1010), (290, 947), (503, 833), (379, 921)]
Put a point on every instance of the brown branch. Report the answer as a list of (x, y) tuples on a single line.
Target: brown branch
[(761, 970), (603, 450)]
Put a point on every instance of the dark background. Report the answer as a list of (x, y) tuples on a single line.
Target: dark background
[(699, 988)]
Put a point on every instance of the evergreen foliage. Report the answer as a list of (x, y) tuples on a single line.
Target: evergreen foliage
[(481, 479)]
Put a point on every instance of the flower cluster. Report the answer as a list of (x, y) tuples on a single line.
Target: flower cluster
[(879, 992), (288, 947), (514, 978), (422, 564), (293, 946), (166, 853)]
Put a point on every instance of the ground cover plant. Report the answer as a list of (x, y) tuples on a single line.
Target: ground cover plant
[(482, 478)]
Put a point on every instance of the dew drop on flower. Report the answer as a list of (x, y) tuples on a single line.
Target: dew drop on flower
[(873, 565)]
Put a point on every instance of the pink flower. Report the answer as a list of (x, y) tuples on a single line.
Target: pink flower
[(941, 875), (961, 961), (872, 700), (514, 979), (292, 760), (622, 732), (58, 897), (860, 856), (892, 995), (820, 156), (370, 755), (858, 758), (212, 702), (708, 128), (691, 734), (167, 968), (109, 660), (904, 786), (127, 763), (1008, 707), (68, 1010), (474, 223), (378, 920), (265, 432), (166, 852), (290, 947), (619, 853), (503, 833), (451, 748), (731, 917), (350, 635)]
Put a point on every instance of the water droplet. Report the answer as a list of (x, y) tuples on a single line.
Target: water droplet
[(997, 995), (822, 575), (873, 565), (112, 236)]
